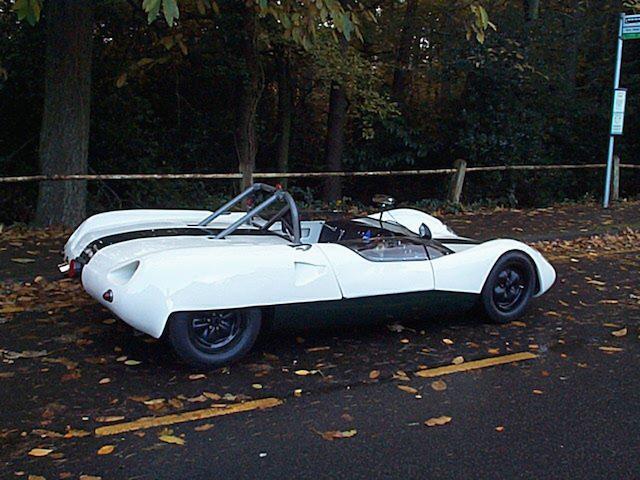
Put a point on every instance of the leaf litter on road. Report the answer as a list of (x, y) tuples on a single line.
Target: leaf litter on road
[(337, 434), (106, 449), (437, 421)]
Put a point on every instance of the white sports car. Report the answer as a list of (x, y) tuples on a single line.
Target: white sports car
[(208, 280)]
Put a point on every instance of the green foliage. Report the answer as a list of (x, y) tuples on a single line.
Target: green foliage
[(28, 10), (169, 9), (360, 78), (530, 94)]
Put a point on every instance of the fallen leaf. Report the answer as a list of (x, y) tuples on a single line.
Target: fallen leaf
[(73, 433), (9, 355), (132, 362), (302, 372), (212, 396), (458, 360), (109, 419), (447, 341), (257, 386), (46, 433), (171, 439), (23, 260), (346, 417), (317, 349), (610, 349), (517, 323), (395, 327), (619, 333), (40, 452), (537, 392), (400, 375), (104, 381), (499, 428), (203, 428), (439, 385), (199, 398), (336, 434), (408, 389), (373, 374), (436, 421), (154, 401), (297, 392), (106, 449), (11, 309), (69, 364), (197, 376), (89, 477), (36, 477), (494, 351)]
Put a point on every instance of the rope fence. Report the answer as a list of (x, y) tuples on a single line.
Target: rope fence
[(276, 175)]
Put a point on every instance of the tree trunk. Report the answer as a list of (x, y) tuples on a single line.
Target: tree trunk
[(403, 54), (531, 10), (334, 143), (250, 92), (64, 136), (284, 110)]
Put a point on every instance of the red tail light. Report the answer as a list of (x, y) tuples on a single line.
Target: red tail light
[(75, 268), (71, 273)]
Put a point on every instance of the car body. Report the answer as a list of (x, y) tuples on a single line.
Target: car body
[(148, 266)]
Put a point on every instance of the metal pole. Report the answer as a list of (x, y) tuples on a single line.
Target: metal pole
[(616, 84)]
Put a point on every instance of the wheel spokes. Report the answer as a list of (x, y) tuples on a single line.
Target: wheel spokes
[(216, 329), (508, 288)]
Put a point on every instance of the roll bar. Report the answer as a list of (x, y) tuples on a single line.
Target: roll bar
[(277, 195)]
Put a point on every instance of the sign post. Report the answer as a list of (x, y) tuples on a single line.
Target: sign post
[(629, 29)]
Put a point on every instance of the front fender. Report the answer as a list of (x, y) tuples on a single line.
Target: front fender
[(467, 271)]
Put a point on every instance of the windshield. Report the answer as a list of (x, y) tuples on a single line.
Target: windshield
[(361, 228)]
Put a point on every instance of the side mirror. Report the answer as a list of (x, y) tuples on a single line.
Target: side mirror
[(383, 201), (425, 232)]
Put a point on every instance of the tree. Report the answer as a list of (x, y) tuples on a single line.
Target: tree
[(285, 107), (299, 22), (250, 91), (64, 134), (403, 53)]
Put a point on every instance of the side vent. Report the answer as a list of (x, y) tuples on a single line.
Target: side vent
[(123, 274)]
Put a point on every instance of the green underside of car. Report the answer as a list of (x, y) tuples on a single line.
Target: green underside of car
[(379, 308)]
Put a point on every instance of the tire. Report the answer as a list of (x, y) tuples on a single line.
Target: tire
[(214, 338), (508, 288)]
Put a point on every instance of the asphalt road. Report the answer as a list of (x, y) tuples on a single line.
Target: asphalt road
[(571, 412)]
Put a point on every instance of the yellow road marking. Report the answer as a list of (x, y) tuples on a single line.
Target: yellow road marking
[(475, 364), (150, 422)]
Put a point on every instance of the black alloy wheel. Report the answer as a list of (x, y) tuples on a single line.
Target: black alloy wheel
[(509, 287)]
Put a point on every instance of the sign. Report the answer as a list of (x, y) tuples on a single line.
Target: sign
[(631, 27), (619, 103)]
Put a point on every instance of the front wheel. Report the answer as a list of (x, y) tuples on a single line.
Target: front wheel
[(508, 288), (214, 338)]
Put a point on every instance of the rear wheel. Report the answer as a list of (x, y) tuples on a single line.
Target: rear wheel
[(508, 288), (214, 338)]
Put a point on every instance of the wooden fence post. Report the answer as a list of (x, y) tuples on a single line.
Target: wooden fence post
[(457, 181), (615, 179)]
